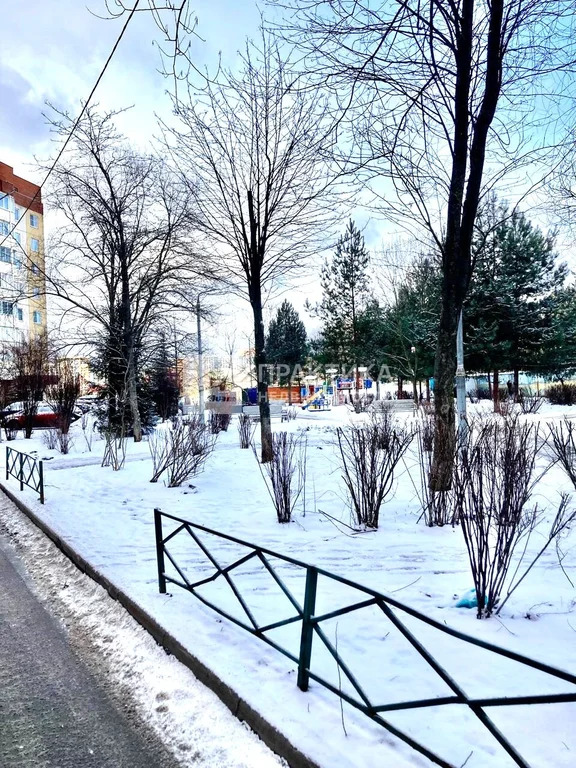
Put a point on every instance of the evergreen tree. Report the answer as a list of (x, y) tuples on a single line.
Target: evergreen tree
[(344, 296), (412, 323), (507, 312), (163, 381), (286, 343)]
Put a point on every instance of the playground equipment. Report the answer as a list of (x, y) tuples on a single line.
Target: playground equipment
[(319, 401)]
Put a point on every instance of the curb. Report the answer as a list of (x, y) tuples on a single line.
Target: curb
[(240, 708)]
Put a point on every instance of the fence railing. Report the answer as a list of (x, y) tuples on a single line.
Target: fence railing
[(26, 469), (310, 622)]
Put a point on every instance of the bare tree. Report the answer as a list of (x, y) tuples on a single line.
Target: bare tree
[(118, 260), (442, 98), (249, 149), (30, 362), (63, 393)]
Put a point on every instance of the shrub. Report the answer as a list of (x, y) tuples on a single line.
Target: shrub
[(495, 477), (369, 456), (219, 422), (285, 475), (245, 430), (561, 394), (438, 507), (182, 451)]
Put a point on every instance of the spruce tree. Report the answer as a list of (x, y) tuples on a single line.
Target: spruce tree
[(286, 343), (507, 313), (345, 293)]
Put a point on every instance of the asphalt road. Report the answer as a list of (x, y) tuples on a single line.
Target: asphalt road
[(53, 713)]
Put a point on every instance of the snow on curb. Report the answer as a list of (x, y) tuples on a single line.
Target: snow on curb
[(269, 734)]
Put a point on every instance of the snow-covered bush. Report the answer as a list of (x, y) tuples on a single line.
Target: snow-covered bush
[(65, 441), (496, 474), (369, 456), (285, 475)]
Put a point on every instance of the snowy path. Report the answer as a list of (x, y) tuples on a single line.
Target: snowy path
[(154, 690)]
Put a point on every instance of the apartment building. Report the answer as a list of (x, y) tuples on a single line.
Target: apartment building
[(22, 265)]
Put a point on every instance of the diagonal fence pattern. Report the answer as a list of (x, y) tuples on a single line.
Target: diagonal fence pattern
[(27, 470), (312, 625)]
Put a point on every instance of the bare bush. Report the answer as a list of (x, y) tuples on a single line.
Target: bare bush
[(190, 445), (246, 429), (285, 475), (219, 422), (63, 394), (563, 445), (50, 439), (529, 403), (438, 507), (369, 456), (65, 441), (496, 475), (114, 448), (88, 425), (159, 444)]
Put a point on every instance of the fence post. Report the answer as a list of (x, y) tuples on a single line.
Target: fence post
[(307, 628), (41, 476), (21, 473), (159, 551), (7, 459)]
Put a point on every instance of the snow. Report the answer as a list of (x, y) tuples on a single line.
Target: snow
[(108, 517)]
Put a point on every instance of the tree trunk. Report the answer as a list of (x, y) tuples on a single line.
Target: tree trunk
[(516, 384), (427, 389), (261, 376), (133, 403), (415, 391), (400, 388), (445, 432), (496, 391)]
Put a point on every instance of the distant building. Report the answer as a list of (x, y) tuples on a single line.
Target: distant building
[(22, 259)]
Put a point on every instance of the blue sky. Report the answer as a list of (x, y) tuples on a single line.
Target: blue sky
[(54, 50)]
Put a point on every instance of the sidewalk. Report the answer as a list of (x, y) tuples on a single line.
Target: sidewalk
[(52, 711)]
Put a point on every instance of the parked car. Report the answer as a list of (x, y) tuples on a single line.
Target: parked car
[(13, 416)]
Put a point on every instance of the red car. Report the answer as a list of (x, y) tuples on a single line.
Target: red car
[(45, 418)]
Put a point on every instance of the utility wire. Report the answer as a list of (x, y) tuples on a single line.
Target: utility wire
[(77, 121)]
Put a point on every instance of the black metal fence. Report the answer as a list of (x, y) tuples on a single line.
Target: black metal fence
[(26, 469), (305, 615)]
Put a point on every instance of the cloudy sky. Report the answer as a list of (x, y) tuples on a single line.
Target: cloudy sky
[(53, 50)]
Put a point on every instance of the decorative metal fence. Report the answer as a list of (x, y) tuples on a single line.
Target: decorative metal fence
[(311, 626), (26, 469)]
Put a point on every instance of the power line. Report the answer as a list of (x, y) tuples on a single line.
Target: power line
[(77, 121)]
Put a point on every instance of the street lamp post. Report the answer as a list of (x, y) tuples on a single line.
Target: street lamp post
[(461, 383)]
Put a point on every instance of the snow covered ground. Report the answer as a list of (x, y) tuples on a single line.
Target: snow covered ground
[(108, 517)]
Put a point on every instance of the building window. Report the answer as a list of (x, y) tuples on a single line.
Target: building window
[(34, 220), (16, 213), (5, 254), (34, 244), (37, 316), (35, 269), (20, 313), (36, 291), (17, 260), (7, 308), (16, 236), (4, 228), (4, 202)]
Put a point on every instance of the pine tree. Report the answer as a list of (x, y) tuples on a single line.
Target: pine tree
[(286, 343), (344, 295), (507, 312)]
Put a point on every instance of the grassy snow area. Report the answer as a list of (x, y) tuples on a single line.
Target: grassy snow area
[(107, 516)]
